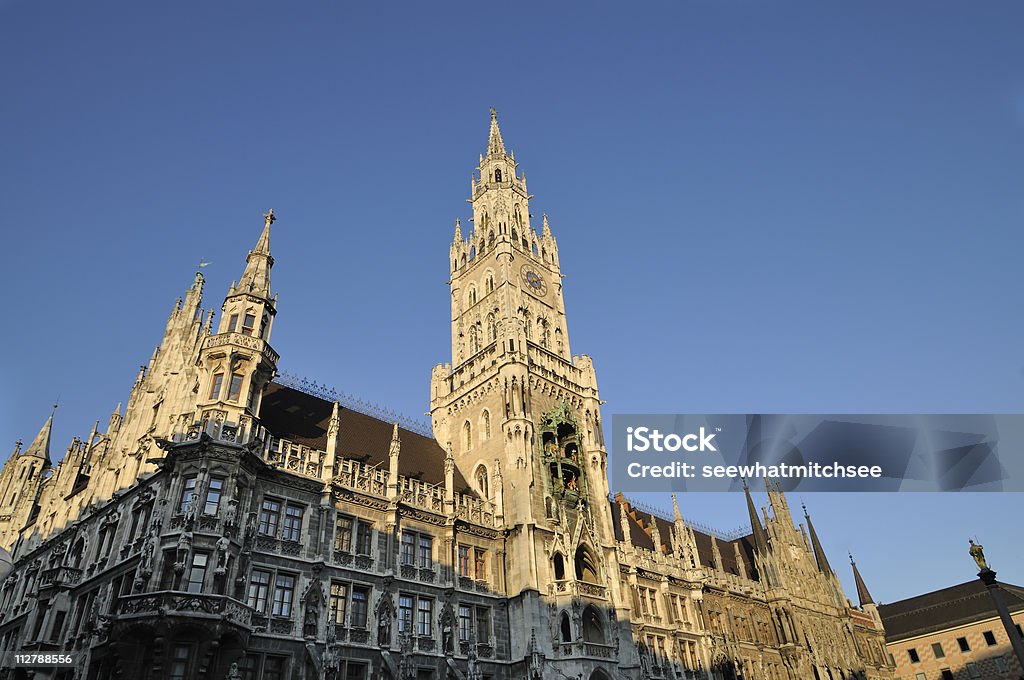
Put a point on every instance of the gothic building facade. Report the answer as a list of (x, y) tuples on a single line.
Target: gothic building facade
[(231, 524)]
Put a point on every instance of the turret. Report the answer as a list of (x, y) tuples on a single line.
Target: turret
[(238, 360)]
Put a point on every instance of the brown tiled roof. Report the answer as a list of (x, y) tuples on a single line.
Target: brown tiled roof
[(303, 418), (941, 609), (639, 523)]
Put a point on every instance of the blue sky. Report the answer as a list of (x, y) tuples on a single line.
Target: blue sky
[(760, 207)]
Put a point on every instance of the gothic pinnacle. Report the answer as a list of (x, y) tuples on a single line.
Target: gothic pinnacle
[(862, 589), (495, 145)]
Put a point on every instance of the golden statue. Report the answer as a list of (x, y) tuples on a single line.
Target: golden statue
[(978, 553)]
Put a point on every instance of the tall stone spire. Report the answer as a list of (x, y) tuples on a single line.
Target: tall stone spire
[(862, 589), (40, 446), (495, 145), (760, 540), (256, 277), (819, 552)]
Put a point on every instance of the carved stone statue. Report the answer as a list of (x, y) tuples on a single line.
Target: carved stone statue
[(977, 551), (384, 626), (233, 672), (311, 623), (184, 546), (222, 554)]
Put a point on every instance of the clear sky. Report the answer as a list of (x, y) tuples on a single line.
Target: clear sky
[(760, 207)]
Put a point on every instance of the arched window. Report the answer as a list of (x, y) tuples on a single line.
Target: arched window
[(471, 296), (564, 629), (481, 482), (535, 251), (463, 259), (586, 565), (75, 556), (517, 217), (497, 174), (492, 328), (472, 253), (515, 236), (558, 562), (485, 426), (489, 283), (593, 627), (490, 238), (467, 435)]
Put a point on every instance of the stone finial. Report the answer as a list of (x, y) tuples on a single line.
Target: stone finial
[(269, 218)]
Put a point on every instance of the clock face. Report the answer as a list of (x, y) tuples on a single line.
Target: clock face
[(534, 282)]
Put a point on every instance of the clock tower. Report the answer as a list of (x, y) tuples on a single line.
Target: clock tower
[(519, 413)]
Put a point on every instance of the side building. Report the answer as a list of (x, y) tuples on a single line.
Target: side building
[(954, 633), (229, 523)]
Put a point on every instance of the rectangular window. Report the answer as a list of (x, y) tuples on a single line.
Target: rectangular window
[(270, 515), (235, 388), (248, 324), (464, 560), (58, 626), (213, 494), (197, 573), (937, 650), (990, 638), (426, 552), (465, 623), (339, 597), (404, 613), (480, 564), (483, 624), (947, 674), (249, 665), (364, 538), (914, 658), (355, 671), (408, 550), (424, 611), (972, 670), (343, 534), (233, 323), (216, 385), (964, 646), (293, 522), (188, 492), (920, 676), (273, 668), (360, 596), (259, 586), (284, 589), (179, 662), (1001, 665)]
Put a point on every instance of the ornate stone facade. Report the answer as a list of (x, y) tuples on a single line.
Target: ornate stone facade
[(230, 525)]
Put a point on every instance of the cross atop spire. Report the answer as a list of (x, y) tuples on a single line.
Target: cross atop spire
[(256, 277), (819, 552), (40, 446), (862, 589), (760, 539), (495, 145)]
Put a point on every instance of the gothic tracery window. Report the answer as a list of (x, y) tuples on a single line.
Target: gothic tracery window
[(482, 482), (467, 435)]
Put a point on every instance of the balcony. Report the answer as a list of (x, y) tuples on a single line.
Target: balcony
[(188, 605), (578, 588), (60, 577)]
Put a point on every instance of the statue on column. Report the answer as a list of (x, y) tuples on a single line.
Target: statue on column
[(977, 551)]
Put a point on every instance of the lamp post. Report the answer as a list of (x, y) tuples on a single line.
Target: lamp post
[(988, 577)]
